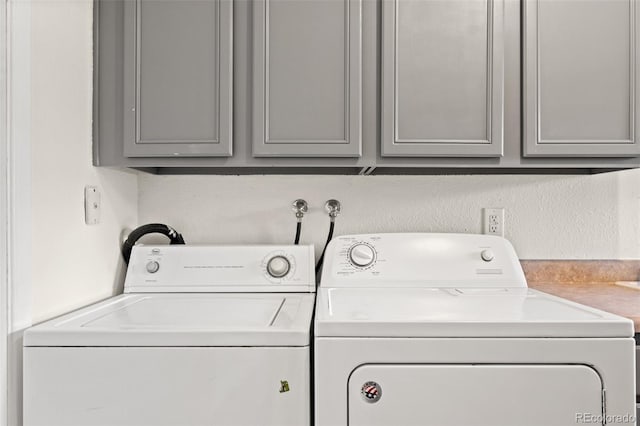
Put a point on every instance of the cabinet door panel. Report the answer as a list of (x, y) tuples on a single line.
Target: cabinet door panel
[(580, 79), (307, 78), (178, 94), (442, 78)]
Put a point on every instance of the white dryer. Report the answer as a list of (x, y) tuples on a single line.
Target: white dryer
[(441, 330), (202, 336)]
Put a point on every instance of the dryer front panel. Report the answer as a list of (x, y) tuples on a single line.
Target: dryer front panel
[(474, 394)]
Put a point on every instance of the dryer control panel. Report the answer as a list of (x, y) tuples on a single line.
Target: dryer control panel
[(221, 269), (421, 260)]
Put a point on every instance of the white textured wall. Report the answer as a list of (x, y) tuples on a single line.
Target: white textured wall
[(547, 217), (73, 264)]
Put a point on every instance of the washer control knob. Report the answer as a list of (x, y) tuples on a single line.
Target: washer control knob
[(362, 255), (152, 266), (278, 266), (487, 255)]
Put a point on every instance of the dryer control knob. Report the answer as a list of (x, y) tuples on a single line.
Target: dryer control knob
[(487, 255), (152, 267), (362, 255), (278, 266)]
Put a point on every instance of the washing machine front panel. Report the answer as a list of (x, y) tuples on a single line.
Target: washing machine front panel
[(166, 386), (479, 395)]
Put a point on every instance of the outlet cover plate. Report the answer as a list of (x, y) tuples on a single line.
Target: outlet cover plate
[(493, 221)]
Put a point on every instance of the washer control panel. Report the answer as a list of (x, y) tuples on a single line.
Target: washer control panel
[(184, 268), (422, 260)]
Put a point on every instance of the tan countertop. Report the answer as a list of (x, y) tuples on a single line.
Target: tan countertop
[(605, 296), (589, 282)]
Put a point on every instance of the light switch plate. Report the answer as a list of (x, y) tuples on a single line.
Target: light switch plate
[(91, 205)]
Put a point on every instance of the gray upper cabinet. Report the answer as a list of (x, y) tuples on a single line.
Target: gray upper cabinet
[(307, 80), (366, 86), (442, 78), (580, 78), (177, 78)]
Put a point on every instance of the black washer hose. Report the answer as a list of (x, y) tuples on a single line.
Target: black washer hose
[(296, 241), (329, 238), (152, 228)]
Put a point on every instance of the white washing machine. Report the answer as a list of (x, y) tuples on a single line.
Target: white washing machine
[(202, 336), (441, 330)]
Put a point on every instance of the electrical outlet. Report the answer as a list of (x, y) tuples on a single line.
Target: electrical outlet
[(494, 222)]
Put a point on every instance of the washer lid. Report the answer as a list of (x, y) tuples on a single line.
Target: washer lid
[(436, 312), (183, 320)]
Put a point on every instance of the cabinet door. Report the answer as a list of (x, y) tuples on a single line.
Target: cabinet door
[(442, 78), (580, 78), (307, 78), (178, 78)]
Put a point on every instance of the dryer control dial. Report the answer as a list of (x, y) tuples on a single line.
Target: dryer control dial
[(362, 255), (487, 255), (278, 266)]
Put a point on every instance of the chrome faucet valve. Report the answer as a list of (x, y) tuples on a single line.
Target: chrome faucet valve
[(300, 207), (333, 208)]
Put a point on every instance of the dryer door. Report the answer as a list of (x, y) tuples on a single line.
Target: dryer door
[(474, 394)]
